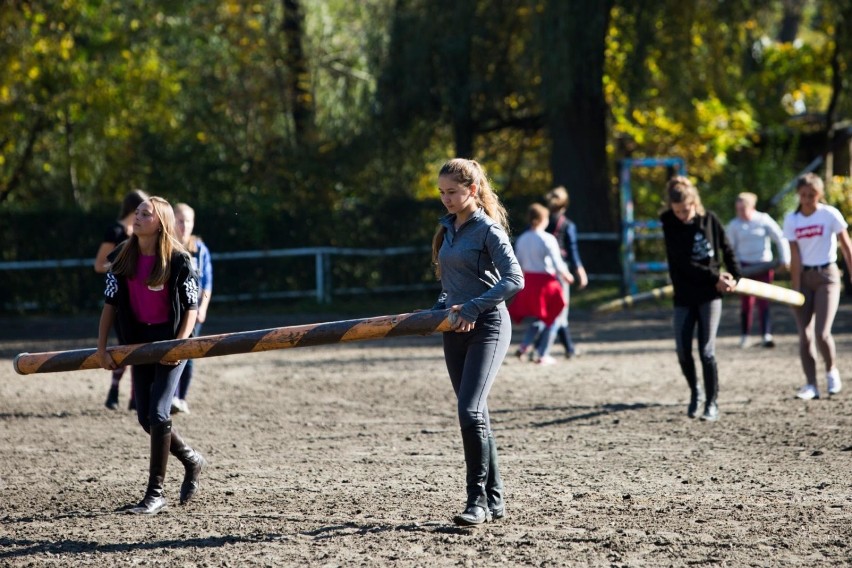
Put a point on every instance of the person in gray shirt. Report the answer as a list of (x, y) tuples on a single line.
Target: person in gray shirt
[(476, 265)]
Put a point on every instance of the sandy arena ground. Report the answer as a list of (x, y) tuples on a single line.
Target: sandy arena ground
[(350, 455)]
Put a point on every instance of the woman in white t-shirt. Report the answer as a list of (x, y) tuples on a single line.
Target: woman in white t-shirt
[(814, 231)]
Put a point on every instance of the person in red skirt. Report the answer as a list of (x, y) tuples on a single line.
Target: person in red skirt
[(543, 297)]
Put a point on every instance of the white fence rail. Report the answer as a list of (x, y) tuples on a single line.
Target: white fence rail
[(322, 270), (322, 291)]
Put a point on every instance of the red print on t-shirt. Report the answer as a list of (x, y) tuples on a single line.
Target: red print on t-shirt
[(808, 232)]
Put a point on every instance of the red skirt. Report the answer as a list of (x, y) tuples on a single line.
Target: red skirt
[(542, 298)]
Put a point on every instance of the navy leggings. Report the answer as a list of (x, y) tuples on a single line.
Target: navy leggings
[(186, 376), (154, 384), (473, 359)]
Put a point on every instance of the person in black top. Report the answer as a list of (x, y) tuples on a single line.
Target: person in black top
[(565, 232), (115, 234), (696, 247)]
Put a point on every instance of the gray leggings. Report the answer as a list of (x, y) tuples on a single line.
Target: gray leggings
[(706, 318), (814, 319), (473, 359)]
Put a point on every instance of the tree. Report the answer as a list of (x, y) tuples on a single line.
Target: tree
[(572, 53), (299, 83)]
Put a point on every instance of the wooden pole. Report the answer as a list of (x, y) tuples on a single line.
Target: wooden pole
[(629, 301), (417, 323)]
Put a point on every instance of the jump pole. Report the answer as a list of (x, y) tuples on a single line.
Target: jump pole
[(380, 327), (628, 301), (744, 287)]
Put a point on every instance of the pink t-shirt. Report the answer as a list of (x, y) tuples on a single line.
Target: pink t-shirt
[(149, 305)]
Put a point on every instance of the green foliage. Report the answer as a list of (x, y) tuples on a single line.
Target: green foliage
[(194, 100), (838, 192)]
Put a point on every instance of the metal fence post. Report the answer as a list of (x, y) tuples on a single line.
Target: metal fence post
[(320, 276)]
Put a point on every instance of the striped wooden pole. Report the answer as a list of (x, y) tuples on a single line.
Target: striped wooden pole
[(630, 301), (417, 323)]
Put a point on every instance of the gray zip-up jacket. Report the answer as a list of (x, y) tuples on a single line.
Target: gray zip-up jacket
[(478, 266)]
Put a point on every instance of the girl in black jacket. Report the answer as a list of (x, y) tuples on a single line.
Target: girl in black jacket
[(696, 246), (152, 295)]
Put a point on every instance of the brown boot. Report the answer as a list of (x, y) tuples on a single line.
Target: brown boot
[(193, 464), (154, 501)]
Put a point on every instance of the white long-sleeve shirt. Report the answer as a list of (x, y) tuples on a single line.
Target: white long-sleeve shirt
[(538, 251), (751, 239)]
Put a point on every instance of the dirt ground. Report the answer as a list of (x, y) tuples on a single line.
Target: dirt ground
[(350, 455)]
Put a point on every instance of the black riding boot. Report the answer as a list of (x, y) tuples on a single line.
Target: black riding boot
[(112, 398), (154, 501), (696, 396), (711, 386), (477, 454), (494, 485), (193, 463)]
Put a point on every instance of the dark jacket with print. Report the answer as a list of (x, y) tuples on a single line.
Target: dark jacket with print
[(183, 293), (695, 253)]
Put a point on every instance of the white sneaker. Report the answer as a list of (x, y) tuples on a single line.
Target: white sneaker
[(743, 341), (547, 360), (834, 384), (179, 405), (808, 392), (768, 340)]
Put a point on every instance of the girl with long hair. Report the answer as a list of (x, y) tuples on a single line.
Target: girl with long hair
[(478, 270), (152, 295)]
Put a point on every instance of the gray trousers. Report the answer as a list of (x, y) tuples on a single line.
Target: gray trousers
[(706, 318), (473, 359)]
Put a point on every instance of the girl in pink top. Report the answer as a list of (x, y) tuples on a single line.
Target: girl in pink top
[(152, 295)]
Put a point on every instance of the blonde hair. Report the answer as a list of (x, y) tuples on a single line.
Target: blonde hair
[(680, 189), (467, 173), (184, 208), (167, 244), (557, 198), (748, 198), (191, 240)]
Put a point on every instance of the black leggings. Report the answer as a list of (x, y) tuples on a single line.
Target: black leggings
[(473, 359)]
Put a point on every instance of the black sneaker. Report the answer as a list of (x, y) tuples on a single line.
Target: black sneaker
[(112, 398)]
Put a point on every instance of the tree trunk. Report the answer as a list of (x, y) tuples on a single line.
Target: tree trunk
[(572, 82), (8, 186), (791, 21), (300, 96), (459, 70)]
